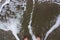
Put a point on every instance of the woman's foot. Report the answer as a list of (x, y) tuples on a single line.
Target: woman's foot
[(38, 38), (26, 38)]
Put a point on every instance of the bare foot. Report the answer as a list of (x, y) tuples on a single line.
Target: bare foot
[(38, 38), (26, 38)]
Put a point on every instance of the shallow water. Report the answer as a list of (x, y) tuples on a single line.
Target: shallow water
[(13, 22), (55, 26), (43, 18), (30, 22)]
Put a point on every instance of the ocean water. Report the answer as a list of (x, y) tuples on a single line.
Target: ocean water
[(29, 18)]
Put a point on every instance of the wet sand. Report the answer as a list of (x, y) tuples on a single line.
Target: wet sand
[(43, 18)]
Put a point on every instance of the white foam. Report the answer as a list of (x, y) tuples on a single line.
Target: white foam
[(12, 24), (29, 26), (30, 29), (6, 2)]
